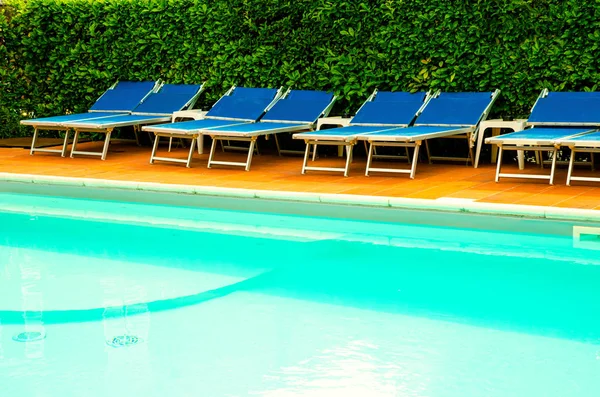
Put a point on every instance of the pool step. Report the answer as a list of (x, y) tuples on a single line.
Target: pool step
[(586, 237)]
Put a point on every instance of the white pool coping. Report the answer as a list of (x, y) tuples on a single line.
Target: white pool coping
[(442, 204)]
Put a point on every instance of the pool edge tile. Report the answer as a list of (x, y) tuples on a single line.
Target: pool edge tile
[(476, 207)]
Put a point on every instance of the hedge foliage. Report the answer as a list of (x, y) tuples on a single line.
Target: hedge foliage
[(59, 55)]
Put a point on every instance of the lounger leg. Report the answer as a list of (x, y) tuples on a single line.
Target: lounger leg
[(191, 153), (106, 143), (407, 155), (200, 144), (554, 155), (348, 159), (74, 146), (499, 166), (276, 144), (65, 144), (571, 165), (170, 143), (314, 156), (471, 157), (213, 146), (480, 137), (250, 153), (136, 130), (413, 167), (306, 154), (369, 158), (428, 152), (35, 134), (521, 159), (154, 147)]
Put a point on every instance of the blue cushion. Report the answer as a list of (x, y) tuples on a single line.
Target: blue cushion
[(588, 137), (70, 118), (567, 107), (125, 96), (250, 92), (350, 131), (160, 103), (400, 112), (309, 95), (542, 133), (414, 132), (196, 125), (455, 108), (169, 99), (302, 106), (240, 107)]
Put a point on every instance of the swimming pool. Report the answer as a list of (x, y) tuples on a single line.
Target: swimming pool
[(225, 302)]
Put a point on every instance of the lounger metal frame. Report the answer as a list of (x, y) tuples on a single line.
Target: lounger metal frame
[(153, 118), (50, 126), (295, 126), (347, 142), (583, 146), (415, 141), (538, 146), (195, 134)]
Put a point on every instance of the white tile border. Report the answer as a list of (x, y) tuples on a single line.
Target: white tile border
[(446, 205)]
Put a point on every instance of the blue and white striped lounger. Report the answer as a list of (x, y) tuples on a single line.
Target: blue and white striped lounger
[(446, 115), (587, 143), (295, 111), (156, 108), (121, 98), (240, 105), (382, 111), (556, 117)]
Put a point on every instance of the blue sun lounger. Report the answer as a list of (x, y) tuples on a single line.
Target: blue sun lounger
[(121, 98), (382, 111), (239, 105), (556, 117), (447, 115), (295, 111), (156, 108), (587, 143)]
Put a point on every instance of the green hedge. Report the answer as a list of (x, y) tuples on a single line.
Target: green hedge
[(59, 55)]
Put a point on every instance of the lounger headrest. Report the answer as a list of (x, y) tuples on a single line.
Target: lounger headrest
[(393, 108), (170, 98), (125, 96), (455, 109), (300, 106), (240, 108), (567, 108), (251, 92)]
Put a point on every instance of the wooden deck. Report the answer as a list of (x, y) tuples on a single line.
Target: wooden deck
[(129, 162)]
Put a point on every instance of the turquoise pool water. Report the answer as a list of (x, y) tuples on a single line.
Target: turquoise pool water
[(231, 303)]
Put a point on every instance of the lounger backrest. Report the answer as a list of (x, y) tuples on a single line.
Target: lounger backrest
[(123, 97), (567, 108), (459, 109), (300, 106), (390, 108), (251, 92), (243, 104), (170, 98)]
